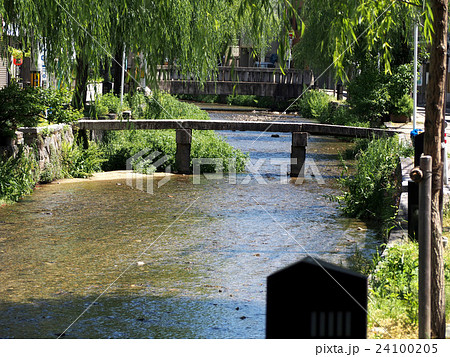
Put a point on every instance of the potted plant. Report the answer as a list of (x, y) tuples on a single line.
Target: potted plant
[(402, 109)]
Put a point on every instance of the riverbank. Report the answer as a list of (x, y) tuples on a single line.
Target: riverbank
[(114, 175), (394, 276)]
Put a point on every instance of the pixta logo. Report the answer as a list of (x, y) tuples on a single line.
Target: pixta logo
[(254, 170), (141, 168)]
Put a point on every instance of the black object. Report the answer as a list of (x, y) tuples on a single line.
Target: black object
[(315, 299), (107, 87), (413, 209), (339, 91), (417, 141)]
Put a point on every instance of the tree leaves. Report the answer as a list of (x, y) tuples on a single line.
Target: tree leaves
[(336, 28)]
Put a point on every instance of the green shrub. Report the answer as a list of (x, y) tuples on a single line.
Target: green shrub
[(164, 106), (372, 191), (96, 109), (203, 98), (78, 162), (393, 291), (403, 106), (138, 103), (368, 96), (313, 104), (120, 146), (19, 107), (207, 144), (339, 114), (242, 100), (400, 84), (18, 175), (112, 102), (57, 103)]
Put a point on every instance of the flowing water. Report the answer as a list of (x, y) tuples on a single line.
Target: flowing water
[(103, 259)]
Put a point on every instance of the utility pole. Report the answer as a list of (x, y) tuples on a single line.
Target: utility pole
[(416, 36)]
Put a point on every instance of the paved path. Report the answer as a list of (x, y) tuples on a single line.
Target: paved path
[(420, 120)]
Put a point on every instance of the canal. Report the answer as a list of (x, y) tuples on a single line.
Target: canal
[(100, 258)]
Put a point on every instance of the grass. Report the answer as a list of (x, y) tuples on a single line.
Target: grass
[(393, 292)]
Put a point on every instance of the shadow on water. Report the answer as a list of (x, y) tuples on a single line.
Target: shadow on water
[(140, 316), (186, 260)]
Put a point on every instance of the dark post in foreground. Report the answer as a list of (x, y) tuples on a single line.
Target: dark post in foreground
[(183, 154), (423, 176), (315, 299)]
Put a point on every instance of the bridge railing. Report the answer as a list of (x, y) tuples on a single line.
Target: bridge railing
[(242, 74)]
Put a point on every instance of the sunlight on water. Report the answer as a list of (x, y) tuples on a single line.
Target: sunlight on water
[(188, 261)]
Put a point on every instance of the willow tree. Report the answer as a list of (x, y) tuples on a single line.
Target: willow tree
[(82, 36), (72, 33), (371, 24)]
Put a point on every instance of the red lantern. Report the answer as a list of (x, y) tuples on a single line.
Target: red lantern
[(18, 61)]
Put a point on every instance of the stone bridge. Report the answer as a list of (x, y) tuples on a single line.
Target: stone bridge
[(264, 82), (300, 132)]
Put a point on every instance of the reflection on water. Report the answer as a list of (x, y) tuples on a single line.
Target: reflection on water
[(188, 261)]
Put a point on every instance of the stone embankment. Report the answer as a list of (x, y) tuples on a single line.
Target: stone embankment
[(47, 140)]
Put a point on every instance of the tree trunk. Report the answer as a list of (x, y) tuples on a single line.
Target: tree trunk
[(117, 70), (79, 96), (434, 118)]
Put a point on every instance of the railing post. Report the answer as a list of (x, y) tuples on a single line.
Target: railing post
[(425, 247), (298, 153), (183, 154)]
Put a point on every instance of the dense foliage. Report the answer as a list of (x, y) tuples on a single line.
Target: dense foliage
[(313, 104), (118, 147), (341, 33), (394, 281), (18, 108), (18, 175), (371, 193), (366, 104), (369, 102), (27, 107), (393, 292), (319, 105), (81, 36)]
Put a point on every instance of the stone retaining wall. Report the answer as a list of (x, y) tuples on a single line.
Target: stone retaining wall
[(47, 140)]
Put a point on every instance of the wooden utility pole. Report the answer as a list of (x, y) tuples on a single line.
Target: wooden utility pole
[(434, 118)]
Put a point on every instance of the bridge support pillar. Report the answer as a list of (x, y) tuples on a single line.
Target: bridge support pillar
[(183, 154), (298, 153)]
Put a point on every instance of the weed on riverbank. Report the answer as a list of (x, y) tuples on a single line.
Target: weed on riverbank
[(372, 192), (393, 292), (18, 175)]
